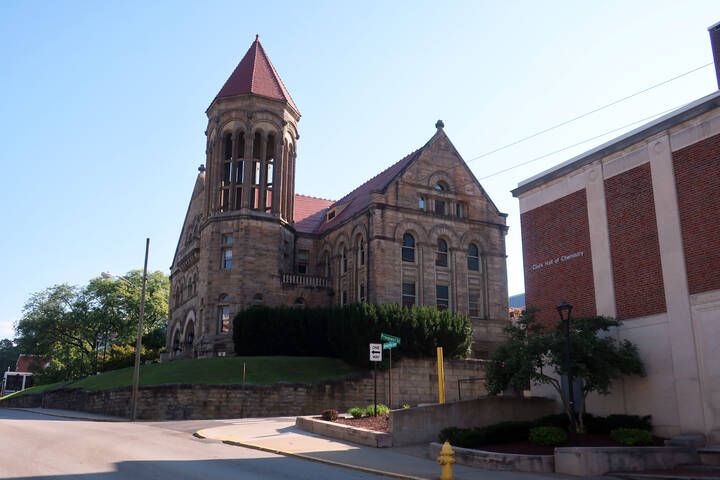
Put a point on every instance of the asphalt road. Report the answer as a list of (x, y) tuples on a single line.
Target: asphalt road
[(39, 447)]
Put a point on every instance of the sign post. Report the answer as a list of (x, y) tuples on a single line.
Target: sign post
[(390, 342), (441, 375), (375, 357)]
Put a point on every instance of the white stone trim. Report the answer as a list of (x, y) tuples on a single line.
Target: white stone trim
[(600, 242), (688, 389), (695, 130)]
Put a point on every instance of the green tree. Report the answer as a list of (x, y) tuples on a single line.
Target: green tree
[(8, 354), (76, 327), (534, 352)]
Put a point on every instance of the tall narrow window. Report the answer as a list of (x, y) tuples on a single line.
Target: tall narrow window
[(270, 159), (361, 293), (439, 206), (223, 315), (442, 293), (343, 298), (473, 258), (226, 260), (475, 303), (408, 248), (326, 264), (226, 179), (255, 174), (441, 256), (239, 171), (361, 252), (343, 260), (302, 261), (421, 203), (460, 210), (408, 294)]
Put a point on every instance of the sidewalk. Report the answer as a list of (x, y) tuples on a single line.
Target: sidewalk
[(279, 435), (74, 414)]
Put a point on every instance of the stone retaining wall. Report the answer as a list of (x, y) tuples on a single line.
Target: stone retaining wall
[(413, 380)]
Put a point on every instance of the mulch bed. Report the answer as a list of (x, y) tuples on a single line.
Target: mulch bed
[(379, 423), (582, 440)]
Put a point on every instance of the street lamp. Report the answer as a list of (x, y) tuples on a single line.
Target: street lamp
[(138, 344), (565, 309)]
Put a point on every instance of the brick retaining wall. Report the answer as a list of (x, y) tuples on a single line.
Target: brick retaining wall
[(414, 381)]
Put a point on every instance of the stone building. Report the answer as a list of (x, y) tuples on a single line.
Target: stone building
[(630, 230), (422, 232)]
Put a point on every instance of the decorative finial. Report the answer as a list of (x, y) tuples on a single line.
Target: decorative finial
[(257, 37), (439, 124), (201, 168)]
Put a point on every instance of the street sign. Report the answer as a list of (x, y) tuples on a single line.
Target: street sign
[(389, 345), (376, 352), (389, 338)]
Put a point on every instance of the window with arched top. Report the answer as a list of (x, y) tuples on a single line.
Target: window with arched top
[(441, 256), (473, 258), (408, 248), (326, 264), (190, 334), (269, 165), (441, 186), (176, 341)]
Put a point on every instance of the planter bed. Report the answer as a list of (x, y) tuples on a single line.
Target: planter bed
[(349, 433)]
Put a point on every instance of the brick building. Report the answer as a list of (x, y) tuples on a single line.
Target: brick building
[(422, 232), (630, 230)]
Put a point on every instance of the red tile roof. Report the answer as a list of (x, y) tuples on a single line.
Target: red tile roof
[(309, 212), (361, 197), (28, 363), (256, 74)]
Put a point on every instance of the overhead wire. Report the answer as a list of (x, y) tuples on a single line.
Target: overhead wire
[(586, 114)]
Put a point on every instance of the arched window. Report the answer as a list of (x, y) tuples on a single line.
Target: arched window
[(226, 179), (441, 256), (255, 173), (176, 341), (190, 334), (223, 315), (300, 302), (473, 258), (326, 264), (269, 163), (239, 170), (258, 299), (408, 248), (441, 186), (421, 203)]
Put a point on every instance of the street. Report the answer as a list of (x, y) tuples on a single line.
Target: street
[(42, 447)]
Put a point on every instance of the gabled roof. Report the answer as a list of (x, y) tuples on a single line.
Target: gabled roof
[(255, 74), (29, 363), (361, 197), (309, 212)]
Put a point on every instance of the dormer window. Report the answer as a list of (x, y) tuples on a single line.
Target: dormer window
[(331, 214)]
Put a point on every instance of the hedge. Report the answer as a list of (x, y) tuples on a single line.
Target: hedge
[(345, 332)]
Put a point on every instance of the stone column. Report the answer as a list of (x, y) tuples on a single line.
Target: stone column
[(263, 171), (277, 176), (600, 242), (683, 341)]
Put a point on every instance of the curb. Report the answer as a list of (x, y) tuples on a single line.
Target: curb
[(358, 468), (74, 417)]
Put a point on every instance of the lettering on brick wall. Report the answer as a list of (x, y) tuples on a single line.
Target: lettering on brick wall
[(554, 261)]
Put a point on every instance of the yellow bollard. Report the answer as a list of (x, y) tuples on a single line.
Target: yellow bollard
[(446, 460)]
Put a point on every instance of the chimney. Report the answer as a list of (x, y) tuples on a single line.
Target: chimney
[(715, 42)]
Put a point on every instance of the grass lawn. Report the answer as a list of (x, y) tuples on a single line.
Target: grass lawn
[(220, 371)]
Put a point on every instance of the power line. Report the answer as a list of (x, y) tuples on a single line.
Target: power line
[(578, 143), (561, 124)]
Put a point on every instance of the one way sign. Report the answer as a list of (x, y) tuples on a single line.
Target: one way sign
[(376, 352)]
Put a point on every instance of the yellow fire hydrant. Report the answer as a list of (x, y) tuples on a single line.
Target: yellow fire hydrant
[(446, 460)]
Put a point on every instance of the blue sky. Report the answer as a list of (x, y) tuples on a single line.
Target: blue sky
[(102, 105)]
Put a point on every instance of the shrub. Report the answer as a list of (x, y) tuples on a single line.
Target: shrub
[(381, 410), (356, 412), (345, 332), (405, 406), (632, 436), (503, 432), (628, 421), (559, 420), (549, 436), (330, 415)]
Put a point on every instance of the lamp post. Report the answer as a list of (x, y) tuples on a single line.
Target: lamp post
[(565, 309), (138, 344)]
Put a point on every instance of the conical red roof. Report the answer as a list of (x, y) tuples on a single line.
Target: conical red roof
[(256, 74)]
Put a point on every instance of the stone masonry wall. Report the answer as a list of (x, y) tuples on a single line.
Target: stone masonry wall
[(414, 381)]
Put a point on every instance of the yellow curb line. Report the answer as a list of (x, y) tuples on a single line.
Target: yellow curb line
[(68, 416), (373, 471)]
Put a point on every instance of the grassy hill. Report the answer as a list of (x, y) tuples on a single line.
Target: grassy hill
[(217, 371)]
